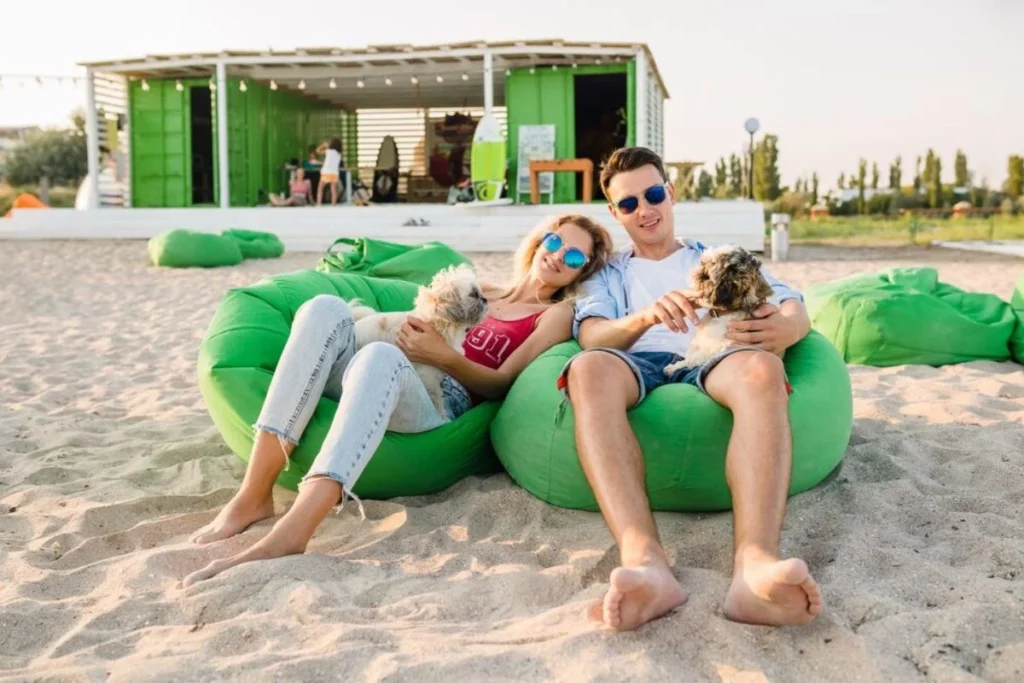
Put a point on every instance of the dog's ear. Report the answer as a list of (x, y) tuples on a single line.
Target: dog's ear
[(426, 300), (702, 286)]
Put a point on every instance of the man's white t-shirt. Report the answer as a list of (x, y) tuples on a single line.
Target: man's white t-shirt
[(646, 282)]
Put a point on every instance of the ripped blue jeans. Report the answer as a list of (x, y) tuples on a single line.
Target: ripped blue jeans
[(376, 387)]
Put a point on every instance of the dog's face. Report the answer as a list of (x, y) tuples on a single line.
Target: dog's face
[(454, 296), (729, 279)]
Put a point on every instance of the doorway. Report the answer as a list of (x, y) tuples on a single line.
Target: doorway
[(601, 125), (201, 120)]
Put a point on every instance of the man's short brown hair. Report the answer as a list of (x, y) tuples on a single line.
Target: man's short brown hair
[(629, 159)]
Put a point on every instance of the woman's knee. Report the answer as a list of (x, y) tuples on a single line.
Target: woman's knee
[(323, 308), (381, 354)]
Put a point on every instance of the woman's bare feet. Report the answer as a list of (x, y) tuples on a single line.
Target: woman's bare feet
[(773, 592), (239, 514), (637, 595), (278, 543)]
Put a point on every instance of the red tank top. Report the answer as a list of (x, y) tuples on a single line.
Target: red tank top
[(492, 341)]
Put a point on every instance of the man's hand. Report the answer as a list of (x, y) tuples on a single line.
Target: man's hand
[(770, 330), (672, 310), (422, 344)]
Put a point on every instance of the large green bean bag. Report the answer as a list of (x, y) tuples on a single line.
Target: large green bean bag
[(1017, 340), (417, 263), (187, 249), (905, 316), (237, 360), (683, 433), (256, 244)]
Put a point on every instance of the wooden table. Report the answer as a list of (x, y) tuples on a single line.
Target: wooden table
[(584, 166)]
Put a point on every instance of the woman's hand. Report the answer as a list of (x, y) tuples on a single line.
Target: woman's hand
[(421, 343)]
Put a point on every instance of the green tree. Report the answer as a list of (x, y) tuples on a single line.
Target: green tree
[(862, 172), (705, 185), (721, 175), (814, 189), (58, 155), (874, 175), (935, 184), (962, 177), (1014, 186), (896, 174), (799, 187), (735, 176), (917, 175), (767, 183), (841, 182)]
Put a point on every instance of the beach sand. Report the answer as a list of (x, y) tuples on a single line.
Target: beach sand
[(108, 460)]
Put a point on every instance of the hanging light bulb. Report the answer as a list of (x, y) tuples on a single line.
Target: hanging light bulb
[(333, 84), (440, 79), (554, 67), (465, 77), (360, 84), (508, 72), (178, 86), (145, 84), (387, 81), (597, 61), (575, 65), (302, 84), (273, 84), (213, 86), (533, 70), (242, 86), (414, 80)]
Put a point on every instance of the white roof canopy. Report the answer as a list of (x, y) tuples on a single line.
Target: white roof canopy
[(384, 76)]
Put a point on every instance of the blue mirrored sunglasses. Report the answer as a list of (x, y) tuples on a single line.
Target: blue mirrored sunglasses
[(572, 257), (653, 195)]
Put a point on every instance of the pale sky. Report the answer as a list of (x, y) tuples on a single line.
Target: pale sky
[(835, 80)]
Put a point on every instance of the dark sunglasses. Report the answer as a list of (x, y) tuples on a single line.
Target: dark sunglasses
[(653, 195), (572, 257)]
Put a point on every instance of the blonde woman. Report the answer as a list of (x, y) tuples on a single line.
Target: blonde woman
[(524, 320)]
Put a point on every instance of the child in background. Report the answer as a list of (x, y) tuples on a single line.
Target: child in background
[(330, 170)]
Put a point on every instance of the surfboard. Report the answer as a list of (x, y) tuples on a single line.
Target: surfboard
[(487, 161)]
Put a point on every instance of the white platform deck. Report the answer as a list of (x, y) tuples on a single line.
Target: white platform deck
[(1003, 247), (466, 227)]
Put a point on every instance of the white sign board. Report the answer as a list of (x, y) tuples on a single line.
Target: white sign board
[(535, 142)]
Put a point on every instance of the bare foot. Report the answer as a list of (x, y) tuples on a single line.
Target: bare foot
[(237, 516), (638, 595), (273, 545), (773, 593)]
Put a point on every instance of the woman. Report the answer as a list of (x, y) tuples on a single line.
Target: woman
[(300, 191), (523, 321), (330, 170)]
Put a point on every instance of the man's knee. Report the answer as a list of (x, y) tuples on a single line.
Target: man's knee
[(601, 375), (761, 373)]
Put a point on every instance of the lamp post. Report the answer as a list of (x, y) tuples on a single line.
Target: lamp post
[(751, 125)]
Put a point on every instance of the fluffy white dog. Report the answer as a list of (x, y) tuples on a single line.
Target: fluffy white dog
[(729, 284), (452, 304)]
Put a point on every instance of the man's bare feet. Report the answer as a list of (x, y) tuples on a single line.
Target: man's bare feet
[(637, 595), (273, 545), (237, 516), (773, 592)]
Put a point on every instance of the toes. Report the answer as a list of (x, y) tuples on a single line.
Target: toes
[(595, 611), (612, 611)]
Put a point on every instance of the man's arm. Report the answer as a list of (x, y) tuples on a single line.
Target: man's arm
[(673, 310)]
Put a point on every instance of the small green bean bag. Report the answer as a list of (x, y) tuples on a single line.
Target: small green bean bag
[(1017, 340), (905, 316), (683, 433), (187, 249), (237, 360), (256, 244)]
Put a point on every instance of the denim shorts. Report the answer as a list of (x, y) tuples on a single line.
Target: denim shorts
[(649, 368)]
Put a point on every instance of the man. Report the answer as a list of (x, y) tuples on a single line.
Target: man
[(632, 320)]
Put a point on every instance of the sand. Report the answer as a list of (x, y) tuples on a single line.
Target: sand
[(108, 460)]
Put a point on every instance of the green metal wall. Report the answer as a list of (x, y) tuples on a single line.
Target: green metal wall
[(266, 128), (548, 96)]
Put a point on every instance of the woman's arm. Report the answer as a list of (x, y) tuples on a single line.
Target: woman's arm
[(420, 345)]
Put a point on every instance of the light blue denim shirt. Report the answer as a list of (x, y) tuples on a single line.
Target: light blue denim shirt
[(605, 295)]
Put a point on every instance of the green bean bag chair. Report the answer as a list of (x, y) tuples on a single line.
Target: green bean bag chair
[(237, 360), (905, 316), (256, 244), (1017, 340), (187, 249), (417, 263), (683, 433)]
